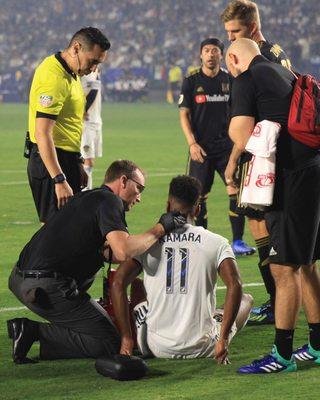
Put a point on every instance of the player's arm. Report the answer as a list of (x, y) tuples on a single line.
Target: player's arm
[(229, 273), (197, 153), (124, 276), (44, 139), (90, 98), (240, 130), (125, 246), (232, 165)]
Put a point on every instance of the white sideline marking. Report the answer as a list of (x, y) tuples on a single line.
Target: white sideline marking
[(9, 309), (12, 183)]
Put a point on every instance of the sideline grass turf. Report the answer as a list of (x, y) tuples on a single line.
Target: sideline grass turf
[(150, 135)]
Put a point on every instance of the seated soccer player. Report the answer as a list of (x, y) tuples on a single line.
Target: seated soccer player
[(177, 316)]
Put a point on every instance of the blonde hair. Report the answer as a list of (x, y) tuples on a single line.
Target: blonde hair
[(243, 10)]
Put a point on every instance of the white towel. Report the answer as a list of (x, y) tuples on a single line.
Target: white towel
[(258, 186)]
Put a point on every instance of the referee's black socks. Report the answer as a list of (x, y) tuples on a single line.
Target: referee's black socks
[(236, 220), (263, 251)]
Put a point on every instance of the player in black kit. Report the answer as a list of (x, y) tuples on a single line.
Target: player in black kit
[(242, 20), (204, 120)]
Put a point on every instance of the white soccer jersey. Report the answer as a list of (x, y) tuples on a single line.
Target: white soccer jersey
[(93, 82), (180, 274)]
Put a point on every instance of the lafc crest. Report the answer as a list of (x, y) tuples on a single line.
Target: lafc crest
[(276, 50), (225, 87)]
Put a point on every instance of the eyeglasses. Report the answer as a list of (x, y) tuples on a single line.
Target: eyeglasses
[(139, 186)]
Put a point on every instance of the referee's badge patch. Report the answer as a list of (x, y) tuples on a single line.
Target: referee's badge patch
[(45, 100), (180, 99)]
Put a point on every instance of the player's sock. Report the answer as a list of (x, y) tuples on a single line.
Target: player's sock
[(88, 171), (202, 218), (236, 220), (314, 336), (263, 251), (284, 342)]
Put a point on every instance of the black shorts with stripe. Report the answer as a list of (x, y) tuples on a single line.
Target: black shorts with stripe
[(294, 220), (205, 172)]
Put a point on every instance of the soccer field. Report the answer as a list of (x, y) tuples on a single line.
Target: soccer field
[(150, 135)]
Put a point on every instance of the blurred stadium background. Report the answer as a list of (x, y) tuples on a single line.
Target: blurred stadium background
[(146, 35)]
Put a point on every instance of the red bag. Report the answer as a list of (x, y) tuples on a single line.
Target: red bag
[(304, 114)]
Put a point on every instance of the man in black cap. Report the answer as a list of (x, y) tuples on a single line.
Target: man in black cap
[(204, 109)]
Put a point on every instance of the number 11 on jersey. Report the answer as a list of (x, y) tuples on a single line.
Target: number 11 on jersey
[(184, 266)]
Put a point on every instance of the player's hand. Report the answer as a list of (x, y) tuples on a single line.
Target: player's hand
[(197, 153), (221, 352), (63, 193), (172, 220), (126, 345), (86, 116), (83, 176), (229, 173)]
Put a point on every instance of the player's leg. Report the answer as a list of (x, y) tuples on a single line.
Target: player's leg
[(205, 174), (79, 327), (265, 313), (88, 150), (310, 283), (42, 186), (139, 305), (88, 167), (244, 311), (288, 301), (237, 221)]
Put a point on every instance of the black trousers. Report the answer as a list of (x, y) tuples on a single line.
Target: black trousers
[(41, 184), (79, 327)]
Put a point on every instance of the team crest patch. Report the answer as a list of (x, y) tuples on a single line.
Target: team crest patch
[(276, 50), (180, 99), (225, 87), (45, 100)]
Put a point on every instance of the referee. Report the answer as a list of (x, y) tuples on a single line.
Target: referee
[(56, 108), (204, 119)]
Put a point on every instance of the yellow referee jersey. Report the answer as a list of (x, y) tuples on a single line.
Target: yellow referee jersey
[(56, 93)]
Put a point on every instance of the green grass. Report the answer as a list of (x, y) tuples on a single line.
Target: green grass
[(150, 135)]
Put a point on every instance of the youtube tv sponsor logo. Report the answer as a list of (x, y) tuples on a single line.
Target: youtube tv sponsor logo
[(201, 98)]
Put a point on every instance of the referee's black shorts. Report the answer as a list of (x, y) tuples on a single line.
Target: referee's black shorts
[(205, 172), (240, 177), (294, 222), (42, 185)]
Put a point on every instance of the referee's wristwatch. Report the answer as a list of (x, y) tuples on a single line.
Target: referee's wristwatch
[(59, 178)]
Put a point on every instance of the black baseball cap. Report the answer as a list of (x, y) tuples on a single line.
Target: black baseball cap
[(214, 41)]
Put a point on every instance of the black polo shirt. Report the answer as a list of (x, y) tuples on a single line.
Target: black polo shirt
[(71, 241), (208, 101), (264, 91)]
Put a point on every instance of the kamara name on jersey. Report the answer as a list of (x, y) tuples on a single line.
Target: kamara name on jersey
[(181, 237), (206, 98)]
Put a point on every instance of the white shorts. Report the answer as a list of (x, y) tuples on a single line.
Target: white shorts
[(140, 314), (91, 141)]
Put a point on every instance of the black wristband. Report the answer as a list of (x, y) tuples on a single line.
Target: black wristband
[(59, 178)]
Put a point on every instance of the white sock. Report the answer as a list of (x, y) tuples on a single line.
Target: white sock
[(88, 171)]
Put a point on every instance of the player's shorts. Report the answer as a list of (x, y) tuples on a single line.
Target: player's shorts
[(91, 141), (294, 222), (145, 344), (42, 185), (240, 177), (205, 172)]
